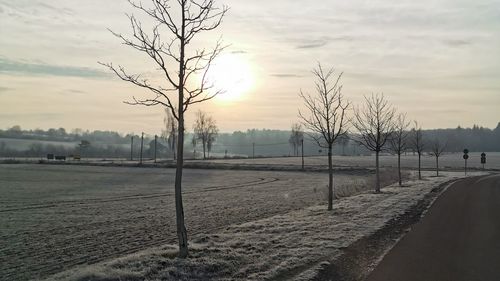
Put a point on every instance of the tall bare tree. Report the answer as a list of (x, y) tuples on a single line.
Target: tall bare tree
[(171, 131), (375, 123), (205, 130), (183, 69), (418, 145), (437, 148), (399, 140), (326, 116), (296, 138)]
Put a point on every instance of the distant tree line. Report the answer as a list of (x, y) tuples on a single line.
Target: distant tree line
[(263, 142), (39, 149), (476, 139), (60, 134)]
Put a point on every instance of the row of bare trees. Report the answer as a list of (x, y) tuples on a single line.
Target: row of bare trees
[(180, 80), (296, 139), (378, 126), (205, 131)]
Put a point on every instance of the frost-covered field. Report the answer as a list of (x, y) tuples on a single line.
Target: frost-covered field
[(54, 217), (448, 161), (288, 246)]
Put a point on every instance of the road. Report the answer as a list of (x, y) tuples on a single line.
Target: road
[(458, 239)]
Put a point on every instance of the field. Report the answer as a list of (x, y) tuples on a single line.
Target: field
[(451, 161), (56, 217), (301, 245)]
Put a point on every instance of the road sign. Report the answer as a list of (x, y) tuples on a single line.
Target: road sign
[(466, 156)]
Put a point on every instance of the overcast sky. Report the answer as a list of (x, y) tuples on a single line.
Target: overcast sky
[(437, 60)]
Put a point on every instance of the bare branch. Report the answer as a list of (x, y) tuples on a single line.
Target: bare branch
[(326, 120), (399, 139), (374, 122), (178, 69)]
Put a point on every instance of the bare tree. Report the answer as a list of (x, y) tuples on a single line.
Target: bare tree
[(186, 82), (326, 119), (375, 123), (418, 145), (296, 138), (210, 142), (205, 130), (437, 149), (399, 140), (171, 131)]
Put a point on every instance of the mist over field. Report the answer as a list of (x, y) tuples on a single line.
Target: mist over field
[(18, 142)]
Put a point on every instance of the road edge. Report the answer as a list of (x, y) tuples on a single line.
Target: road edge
[(360, 258)]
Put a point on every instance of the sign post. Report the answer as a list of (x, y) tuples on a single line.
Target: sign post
[(483, 159), (466, 156)]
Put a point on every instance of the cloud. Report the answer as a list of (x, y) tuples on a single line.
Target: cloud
[(38, 115), (313, 44), (28, 9), (322, 41), (65, 11), (239, 52), (457, 42), (73, 91), (23, 68), (286, 75)]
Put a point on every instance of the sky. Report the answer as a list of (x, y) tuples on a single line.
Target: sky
[(436, 60)]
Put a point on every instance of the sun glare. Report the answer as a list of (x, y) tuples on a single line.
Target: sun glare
[(232, 74)]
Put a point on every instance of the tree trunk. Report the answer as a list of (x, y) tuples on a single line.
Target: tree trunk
[(204, 148), (437, 166), (179, 208), (330, 179), (419, 171), (174, 146), (377, 171), (399, 169)]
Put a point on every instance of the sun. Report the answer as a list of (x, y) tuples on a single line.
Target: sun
[(232, 74)]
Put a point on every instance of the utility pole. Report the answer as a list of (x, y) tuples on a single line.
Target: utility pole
[(253, 150), (132, 148), (142, 143), (302, 145), (156, 139)]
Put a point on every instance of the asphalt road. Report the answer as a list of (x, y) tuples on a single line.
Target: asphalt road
[(458, 239)]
